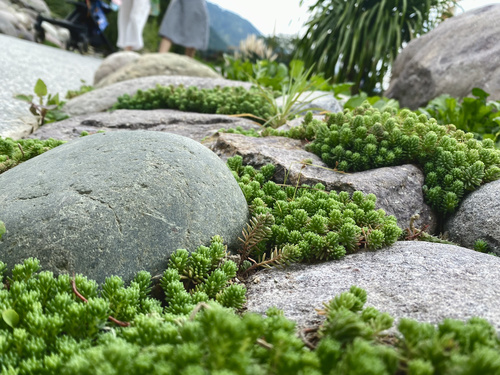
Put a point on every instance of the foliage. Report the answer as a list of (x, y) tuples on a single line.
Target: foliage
[(2, 229), (481, 246), (13, 152), (84, 88), (294, 99), (306, 223), (453, 161), (45, 328), (47, 110), (239, 130), (226, 100), (276, 75), (357, 41), (475, 115)]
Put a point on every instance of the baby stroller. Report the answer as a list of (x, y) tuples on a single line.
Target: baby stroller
[(86, 25)]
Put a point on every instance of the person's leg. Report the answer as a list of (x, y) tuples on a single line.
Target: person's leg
[(165, 45), (123, 24), (190, 51), (138, 18)]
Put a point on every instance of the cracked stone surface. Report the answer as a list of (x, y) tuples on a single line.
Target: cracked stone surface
[(419, 280), (117, 203), (196, 126)]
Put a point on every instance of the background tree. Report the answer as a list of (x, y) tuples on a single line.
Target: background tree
[(357, 41)]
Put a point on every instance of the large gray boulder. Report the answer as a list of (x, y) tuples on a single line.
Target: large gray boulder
[(103, 99), (118, 203), (398, 189), (478, 218), (424, 281), (155, 64), (461, 53), (114, 62), (197, 126)]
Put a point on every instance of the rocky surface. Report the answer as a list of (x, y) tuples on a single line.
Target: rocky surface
[(18, 17), (478, 218), (114, 62), (461, 53), (315, 101), (424, 281), (155, 64), (59, 69), (102, 99), (197, 126), (398, 189), (117, 203)]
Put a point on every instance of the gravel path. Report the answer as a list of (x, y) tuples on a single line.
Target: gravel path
[(23, 62)]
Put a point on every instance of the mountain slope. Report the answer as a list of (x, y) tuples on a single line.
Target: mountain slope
[(230, 27)]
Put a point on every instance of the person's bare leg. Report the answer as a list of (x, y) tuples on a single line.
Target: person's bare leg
[(190, 52), (165, 45), (128, 48)]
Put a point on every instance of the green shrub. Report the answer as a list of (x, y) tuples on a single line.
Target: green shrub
[(227, 100), (307, 223), (13, 152), (46, 327), (475, 115), (453, 162)]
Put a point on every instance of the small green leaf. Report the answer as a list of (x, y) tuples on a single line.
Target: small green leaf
[(2, 229), (26, 98), (40, 88), (10, 317)]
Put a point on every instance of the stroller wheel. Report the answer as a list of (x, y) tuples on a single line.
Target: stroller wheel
[(83, 44), (39, 35)]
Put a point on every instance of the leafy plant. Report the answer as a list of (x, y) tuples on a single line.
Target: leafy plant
[(304, 223), (357, 41), (475, 115), (294, 98), (47, 109), (227, 100), (453, 161), (84, 88), (46, 328), (2, 229), (13, 152)]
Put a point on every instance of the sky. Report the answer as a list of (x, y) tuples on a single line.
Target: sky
[(286, 16)]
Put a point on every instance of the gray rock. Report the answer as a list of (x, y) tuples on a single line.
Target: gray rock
[(478, 218), (308, 100), (196, 126), (6, 26), (398, 189), (103, 99), (154, 64), (114, 62), (461, 53), (424, 281), (60, 70), (117, 203)]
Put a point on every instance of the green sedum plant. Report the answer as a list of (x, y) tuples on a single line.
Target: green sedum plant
[(46, 328), (453, 162), (307, 223), (227, 100), (14, 152)]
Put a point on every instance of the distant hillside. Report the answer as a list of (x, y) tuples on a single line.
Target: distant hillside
[(230, 27)]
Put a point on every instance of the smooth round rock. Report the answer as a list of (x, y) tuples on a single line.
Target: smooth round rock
[(117, 203)]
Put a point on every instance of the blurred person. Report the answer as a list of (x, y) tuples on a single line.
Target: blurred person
[(132, 17), (185, 23)]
